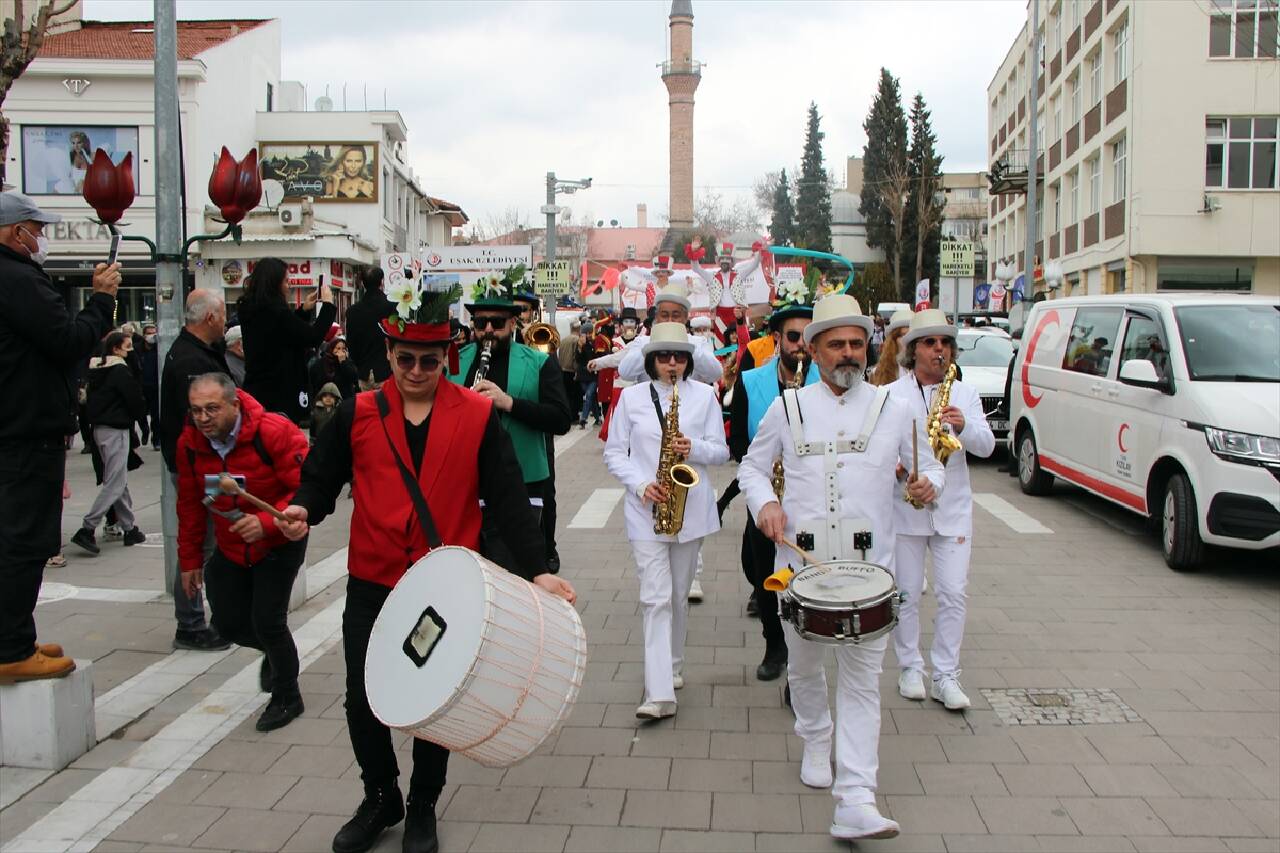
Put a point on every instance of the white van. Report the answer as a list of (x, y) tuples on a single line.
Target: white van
[(1167, 404)]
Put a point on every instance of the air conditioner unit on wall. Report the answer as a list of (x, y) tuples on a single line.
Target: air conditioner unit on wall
[(290, 215)]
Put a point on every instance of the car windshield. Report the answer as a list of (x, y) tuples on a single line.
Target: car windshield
[(1231, 343), (983, 350)]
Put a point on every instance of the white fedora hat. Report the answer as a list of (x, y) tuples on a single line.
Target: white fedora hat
[(931, 321), (900, 319), (674, 292), (668, 337), (834, 311)]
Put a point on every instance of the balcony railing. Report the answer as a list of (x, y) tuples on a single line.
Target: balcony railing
[(673, 66), (1009, 172)]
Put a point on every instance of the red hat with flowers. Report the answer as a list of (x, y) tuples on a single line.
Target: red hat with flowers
[(422, 312)]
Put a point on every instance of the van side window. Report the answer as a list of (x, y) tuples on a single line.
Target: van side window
[(1093, 340), (1145, 339)]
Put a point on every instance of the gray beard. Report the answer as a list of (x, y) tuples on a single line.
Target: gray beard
[(846, 377)]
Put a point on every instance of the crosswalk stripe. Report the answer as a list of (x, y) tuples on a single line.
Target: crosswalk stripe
[(595, 511), (1015, 518), (569, 439)]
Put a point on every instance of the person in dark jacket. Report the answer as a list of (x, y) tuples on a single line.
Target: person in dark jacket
[(277, 339), (364, 334), (196, 351), (41, 343), (115, 404), (334, 365)]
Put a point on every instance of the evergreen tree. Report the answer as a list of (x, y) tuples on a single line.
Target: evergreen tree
[(813, 195), (782, 226), (922, 234), (884, 159)]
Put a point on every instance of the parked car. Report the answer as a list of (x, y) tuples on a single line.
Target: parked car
[(1166, 404), (983, 355)]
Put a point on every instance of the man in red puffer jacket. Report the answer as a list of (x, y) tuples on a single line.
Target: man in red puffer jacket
[(251, 573)]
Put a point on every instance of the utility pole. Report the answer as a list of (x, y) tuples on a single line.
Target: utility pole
[(1028, 285), (169, 295), (557, 185)]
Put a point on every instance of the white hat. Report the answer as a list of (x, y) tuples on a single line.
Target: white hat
[(702, 321), (931, 321), (668, 337), (233, 336), (673, 292), (900, 319), (834, 311)]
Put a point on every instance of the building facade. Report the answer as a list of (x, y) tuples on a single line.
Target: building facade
[(848, 226), (1157, 138)]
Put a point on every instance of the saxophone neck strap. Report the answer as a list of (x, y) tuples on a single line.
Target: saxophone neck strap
[(657, 407)]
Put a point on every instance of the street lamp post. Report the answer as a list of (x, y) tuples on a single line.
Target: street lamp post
[(557, 185)]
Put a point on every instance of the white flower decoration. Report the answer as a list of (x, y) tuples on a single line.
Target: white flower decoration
[(491, 285), (406, 297), (795, 290)]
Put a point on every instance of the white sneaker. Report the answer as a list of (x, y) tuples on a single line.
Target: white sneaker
[(695, 591), (656, 710), (677, 680), (862, 820), (815, 767), (947, 691), (112, 531), (911, 685)]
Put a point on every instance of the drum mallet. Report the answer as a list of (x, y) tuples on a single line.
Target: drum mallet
[(230, 487)]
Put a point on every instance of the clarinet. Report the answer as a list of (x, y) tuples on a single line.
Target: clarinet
[(483, 368)]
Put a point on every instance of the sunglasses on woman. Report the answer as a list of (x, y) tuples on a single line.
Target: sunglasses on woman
[(933, 342), (428, 363), (671, 356)]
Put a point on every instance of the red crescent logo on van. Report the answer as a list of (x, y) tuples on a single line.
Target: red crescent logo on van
[(1050, 316), (1120, 438)]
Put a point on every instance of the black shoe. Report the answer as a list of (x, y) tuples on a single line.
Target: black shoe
[(264, 675), (582, 424), (598, 422), (420, 826), (204, 640), (381, 808), (85, 539), (280, 711), (134, 536), (753, 606), (85, 450), (773, 665)]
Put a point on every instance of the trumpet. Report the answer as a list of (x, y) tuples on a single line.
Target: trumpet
[(543, 337)]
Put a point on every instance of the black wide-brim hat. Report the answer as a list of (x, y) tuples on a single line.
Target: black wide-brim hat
[(786, 312)]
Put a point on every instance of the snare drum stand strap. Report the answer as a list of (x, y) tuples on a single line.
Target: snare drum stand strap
[(410, 482)]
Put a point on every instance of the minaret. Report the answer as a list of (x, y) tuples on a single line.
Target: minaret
[(681, 73)]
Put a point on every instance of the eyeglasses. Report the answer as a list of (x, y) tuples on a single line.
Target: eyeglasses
[(429, 363), (198, 412), (487, 322), (794, 337), (671, 356), (933, 342)]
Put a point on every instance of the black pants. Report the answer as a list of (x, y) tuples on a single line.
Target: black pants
[(761, 549), (370, 739), (573, 389), (548, 519), (250, 607), (31, 475)]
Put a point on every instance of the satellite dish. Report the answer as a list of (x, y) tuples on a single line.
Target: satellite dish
[(599, 223), (613, 222), (272, 193), (324, 104)]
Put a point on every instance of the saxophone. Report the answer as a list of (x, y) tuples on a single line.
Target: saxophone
[(940, 437), (779, 478), (483, 369), (673, 474)]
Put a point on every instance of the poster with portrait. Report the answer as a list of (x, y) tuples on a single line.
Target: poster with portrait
[(55, 158), (325, 171)]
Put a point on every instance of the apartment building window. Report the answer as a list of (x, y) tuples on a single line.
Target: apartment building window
[(1055, 107), (1057, 34), (1057, 209), (1074, 6), (1074, 83), (1245, 29), (1073, 197), (1094, 166), (1240, 152), (1120, 57), (1118, 170), (1095, 79), (1013, 86)]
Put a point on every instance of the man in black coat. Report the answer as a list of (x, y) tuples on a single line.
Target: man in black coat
[(365, 340), (195, 352), (40, 346)]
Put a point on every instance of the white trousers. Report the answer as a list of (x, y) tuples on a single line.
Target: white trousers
[(950, 577), (665, 571), (857, 734)]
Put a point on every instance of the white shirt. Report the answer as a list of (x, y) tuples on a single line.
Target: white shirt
[(952, 514), (631, 454), (706, 367), (720, 295), (868, 486)]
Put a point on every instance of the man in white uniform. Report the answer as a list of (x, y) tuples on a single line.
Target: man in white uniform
[(671, 305), (840, 446), (945, 529)]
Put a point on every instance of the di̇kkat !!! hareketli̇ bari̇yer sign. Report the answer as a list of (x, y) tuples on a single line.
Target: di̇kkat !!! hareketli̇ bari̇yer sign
[(325, 171)]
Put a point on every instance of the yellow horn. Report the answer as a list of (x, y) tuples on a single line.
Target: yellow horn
[(779, 580)]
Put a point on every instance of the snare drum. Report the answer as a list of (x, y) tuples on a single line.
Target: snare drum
[(841, 601), (474, 658)]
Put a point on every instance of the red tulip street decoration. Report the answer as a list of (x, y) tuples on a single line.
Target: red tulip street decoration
[(235, 187), (109, 188)]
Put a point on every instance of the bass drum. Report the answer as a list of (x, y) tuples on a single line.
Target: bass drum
[(471, 657)]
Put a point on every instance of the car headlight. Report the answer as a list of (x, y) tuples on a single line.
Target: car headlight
[(1243, 446)]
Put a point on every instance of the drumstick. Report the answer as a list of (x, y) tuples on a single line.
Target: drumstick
[(915, 452), (808, 558), (230, 487)]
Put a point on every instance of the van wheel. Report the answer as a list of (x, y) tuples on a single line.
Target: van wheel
[(1033, 479), (1179, 529)]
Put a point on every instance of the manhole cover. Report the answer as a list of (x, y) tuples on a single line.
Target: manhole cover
[(1067, 706)]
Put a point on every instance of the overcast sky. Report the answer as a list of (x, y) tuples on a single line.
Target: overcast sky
[(496, 94)]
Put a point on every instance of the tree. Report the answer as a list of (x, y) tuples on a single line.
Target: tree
[(17, 48), (813, 192), (892, 192), (763, 190), (873, 285), (712, 213), (782, 223), (885, 154), (923, 230)]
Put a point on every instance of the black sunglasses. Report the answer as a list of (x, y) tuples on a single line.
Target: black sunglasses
[(794, 337), (429, 363), (933, 342), (487, 322), (671, 356)]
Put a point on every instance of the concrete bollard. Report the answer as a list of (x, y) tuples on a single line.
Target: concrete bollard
[(48, 723)]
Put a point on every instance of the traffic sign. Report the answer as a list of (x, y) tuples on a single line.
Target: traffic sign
[(551, 278), (956, 259)]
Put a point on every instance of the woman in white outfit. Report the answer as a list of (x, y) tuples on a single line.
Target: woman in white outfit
[(664, 563)]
